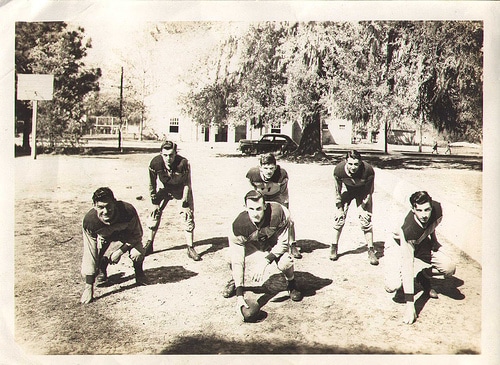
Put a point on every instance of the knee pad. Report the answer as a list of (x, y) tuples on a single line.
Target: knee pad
[(187, 219), (338, 222), (367, 228)]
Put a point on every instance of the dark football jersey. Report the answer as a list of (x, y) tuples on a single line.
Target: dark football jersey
[(275, 189)]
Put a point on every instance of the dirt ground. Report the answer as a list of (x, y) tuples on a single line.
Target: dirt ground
[(345, 309)]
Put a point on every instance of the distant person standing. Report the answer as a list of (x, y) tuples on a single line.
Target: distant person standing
[(354, 179), (435, 148), (448, 148), (174, 173)]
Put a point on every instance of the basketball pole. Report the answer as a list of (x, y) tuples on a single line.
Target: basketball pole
[(33, 129)]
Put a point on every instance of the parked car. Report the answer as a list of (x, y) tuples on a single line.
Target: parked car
[(271, 142)]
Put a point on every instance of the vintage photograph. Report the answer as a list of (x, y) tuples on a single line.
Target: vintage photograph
[(231, 185)]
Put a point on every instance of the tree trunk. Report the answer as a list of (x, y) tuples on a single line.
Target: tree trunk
[(310, 143)]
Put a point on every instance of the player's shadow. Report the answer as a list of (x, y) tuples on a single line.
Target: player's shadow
[(168, 274), (378, 246), (447, 286), (308, 246), (216, 244), (118, 278), (307, 283), (157, 275)]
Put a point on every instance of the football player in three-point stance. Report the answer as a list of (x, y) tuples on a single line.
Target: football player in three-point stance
[(414, 249), (109, 221), (259, 237)]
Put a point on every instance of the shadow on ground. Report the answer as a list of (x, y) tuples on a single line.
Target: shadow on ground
[(449, 287), (307, 283), (157, 275), (308, 246), (216, 244), (168, 274), (378, 245), (205, 344), (393, 161)]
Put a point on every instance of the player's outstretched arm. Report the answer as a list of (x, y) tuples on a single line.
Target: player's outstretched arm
[(410, 315), (407, 256), (152, 181), (237, 253), (88, 294)]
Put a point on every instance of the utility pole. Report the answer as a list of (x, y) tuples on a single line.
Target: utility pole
[(121, 113), (386, 150)]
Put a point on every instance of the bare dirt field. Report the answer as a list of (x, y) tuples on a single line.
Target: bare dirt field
[(345, 309)]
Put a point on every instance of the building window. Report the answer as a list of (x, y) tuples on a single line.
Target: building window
[(174, 125), (276, 127)]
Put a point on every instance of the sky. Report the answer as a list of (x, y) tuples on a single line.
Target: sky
[(164, 60)]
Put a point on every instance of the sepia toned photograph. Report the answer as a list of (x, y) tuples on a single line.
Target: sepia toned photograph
[(222, 178)]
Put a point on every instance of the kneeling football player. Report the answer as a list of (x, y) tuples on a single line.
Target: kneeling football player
[(260, 234), (414, 249)]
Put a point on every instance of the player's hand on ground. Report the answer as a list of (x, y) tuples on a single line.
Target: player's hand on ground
[(240, 302), (410, 315), (260, 270), (115, 256), (135, 254), (88, 294)]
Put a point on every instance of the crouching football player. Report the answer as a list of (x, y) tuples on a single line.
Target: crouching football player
[(109, 221), (260, 235), (414, 249)]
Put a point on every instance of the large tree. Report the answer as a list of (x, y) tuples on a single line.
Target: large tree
[(451, 88), (54, 48), (377, 74)]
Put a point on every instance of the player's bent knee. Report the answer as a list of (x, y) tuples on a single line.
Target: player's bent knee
[(449, 269), (392, 284), (338, 224), (366, 224), (285, 262)]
